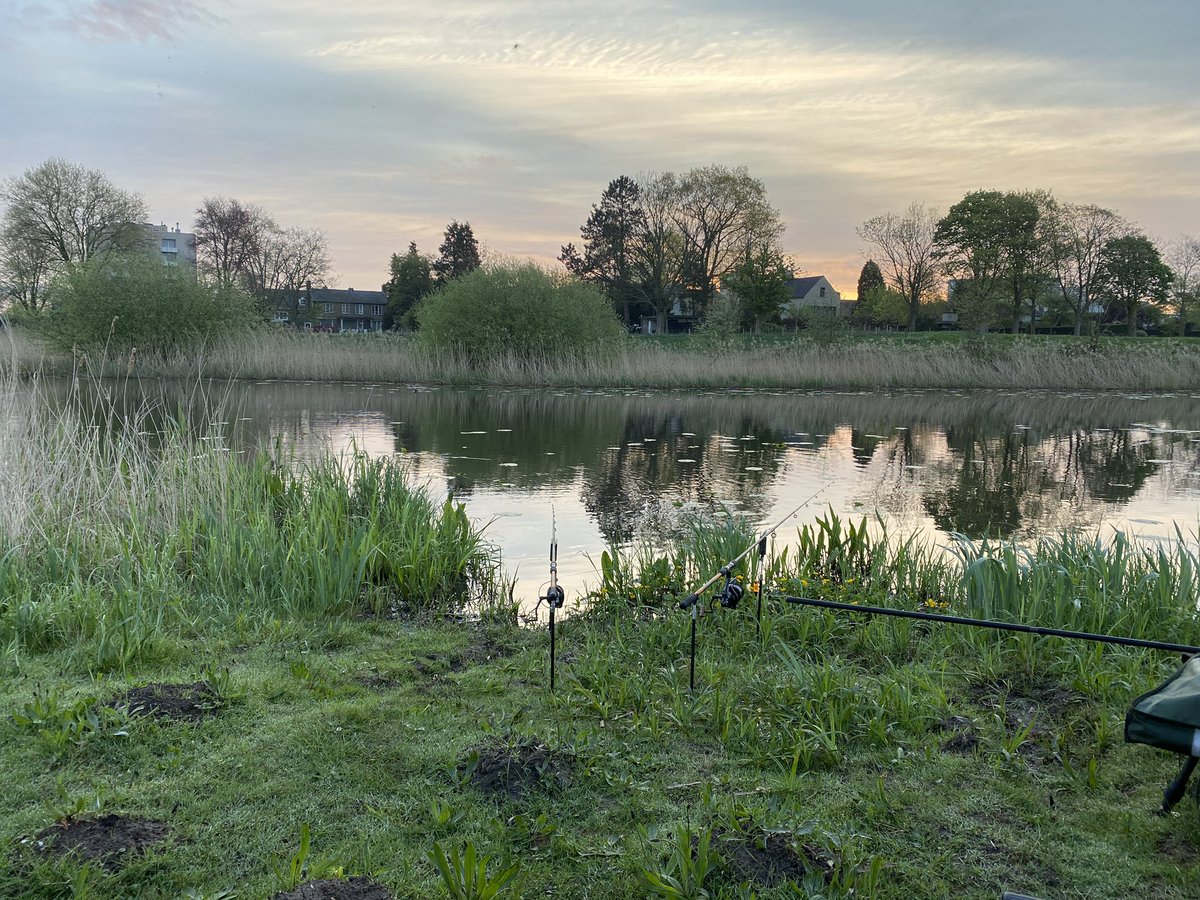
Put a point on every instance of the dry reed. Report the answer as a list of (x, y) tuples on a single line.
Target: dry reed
[(1032, 363)]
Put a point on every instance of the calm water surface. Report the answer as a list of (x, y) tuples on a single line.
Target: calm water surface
[(610, 466)]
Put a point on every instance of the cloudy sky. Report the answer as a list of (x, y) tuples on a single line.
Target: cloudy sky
[(381, 121)]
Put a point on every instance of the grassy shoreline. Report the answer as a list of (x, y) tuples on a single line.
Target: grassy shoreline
[(351, 718), (777, 362)]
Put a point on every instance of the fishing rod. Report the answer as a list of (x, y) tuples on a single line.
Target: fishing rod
[(992, 624), (731, 592), (555, 596)]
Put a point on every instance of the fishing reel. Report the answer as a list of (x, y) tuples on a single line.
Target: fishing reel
[(555, 596), (731, 594)]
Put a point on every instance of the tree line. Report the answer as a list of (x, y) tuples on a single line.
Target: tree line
[(1011, 259), (80, 267)]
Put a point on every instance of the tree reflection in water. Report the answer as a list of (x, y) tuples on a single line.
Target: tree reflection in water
[(979, 463)]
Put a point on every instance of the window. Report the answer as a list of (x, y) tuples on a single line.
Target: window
[(346, 308), (279, 317), (300, 301), (377, 310), (358, 309), (308, 326), (329, 308), (168, 245), (822, 290)]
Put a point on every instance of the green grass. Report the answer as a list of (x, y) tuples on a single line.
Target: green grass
[(908, 760)]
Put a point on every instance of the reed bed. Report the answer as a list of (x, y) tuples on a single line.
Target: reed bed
[(117, 539), (861, 363)]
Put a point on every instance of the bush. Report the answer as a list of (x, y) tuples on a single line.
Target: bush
[(126, 302), (516, 308)]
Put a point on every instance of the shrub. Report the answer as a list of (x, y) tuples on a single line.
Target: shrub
[(126, 302), (516, 308)]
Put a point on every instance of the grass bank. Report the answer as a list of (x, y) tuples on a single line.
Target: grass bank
[(322, 711), (778, 362)]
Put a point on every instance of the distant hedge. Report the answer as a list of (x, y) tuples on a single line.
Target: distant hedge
[(516, 309)]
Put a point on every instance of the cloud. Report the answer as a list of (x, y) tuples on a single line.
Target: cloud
[(138, 21)]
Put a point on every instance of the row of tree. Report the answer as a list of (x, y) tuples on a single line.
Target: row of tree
[(240, 245), (1012, 257), (662, 238), (60, 216)]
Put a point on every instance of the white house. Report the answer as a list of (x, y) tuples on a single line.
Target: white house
[(813, 293)]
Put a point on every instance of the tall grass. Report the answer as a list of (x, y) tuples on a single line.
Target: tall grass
[(116, 538), (874, 362)]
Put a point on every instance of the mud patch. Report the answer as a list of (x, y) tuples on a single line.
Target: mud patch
[(482, 651), (963, 739), (355, 888), (109, 840), (175, 702), (775, 859), (512, 771), (1178, 850)]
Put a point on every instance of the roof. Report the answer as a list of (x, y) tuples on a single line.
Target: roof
[(799, 287), (348, 295)]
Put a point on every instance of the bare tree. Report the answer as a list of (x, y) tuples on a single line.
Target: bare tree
[(289, 260), (1074, 236), (230, 237), (57, 215), (721, 214), (1183, 256), (904, 246), (657, 256), (71, 213), (25, 270)]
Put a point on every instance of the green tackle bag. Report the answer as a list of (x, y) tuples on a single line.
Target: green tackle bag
[(1169, 716)]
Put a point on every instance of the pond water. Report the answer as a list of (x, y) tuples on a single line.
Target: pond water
[(609, 466)]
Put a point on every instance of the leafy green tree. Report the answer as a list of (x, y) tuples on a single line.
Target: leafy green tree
[(905, 244), (519, 310), (458, 254), (989, 238), (132, 301), (881, 306), (412, 279), (611, 241), (1132, 272), (760, 280), (869, 279)]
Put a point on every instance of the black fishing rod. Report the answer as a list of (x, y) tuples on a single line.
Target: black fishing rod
[(555, 596), (991, 623), (731, 592)]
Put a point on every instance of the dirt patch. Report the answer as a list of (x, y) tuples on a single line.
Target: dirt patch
[(513, 771), (964, 738), (775, 859), (382, 682), (485, 650), (356, 888), (176, 702), (1178, 850), (110, 840)]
